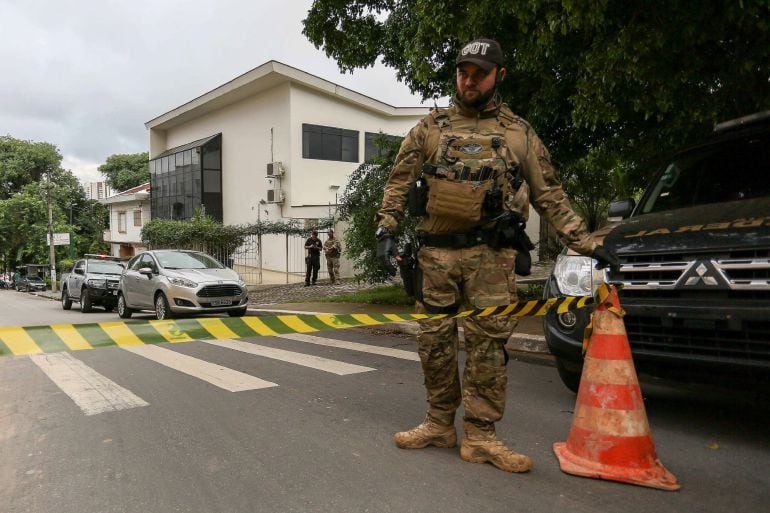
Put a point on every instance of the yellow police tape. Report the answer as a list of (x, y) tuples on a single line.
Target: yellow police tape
[(73, 337)]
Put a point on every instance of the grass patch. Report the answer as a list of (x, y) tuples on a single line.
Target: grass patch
[(390, 295)]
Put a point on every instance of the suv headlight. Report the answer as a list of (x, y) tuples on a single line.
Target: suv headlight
[(182, 282), (97, 284), (576, 275)]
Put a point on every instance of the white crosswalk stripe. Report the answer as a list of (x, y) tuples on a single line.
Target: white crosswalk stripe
[(306, 360), (353, 346), (91, 391), (222, 377)]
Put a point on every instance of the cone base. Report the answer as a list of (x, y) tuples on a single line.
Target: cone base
[(654, 477)]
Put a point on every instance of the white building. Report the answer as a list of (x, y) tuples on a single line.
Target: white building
[(97, 190), (129, 211), (274, 143)]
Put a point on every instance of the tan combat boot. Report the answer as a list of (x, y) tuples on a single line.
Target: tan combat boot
[(482, 446), (427, 433)]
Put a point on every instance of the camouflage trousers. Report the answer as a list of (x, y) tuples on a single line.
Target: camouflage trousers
[(333, 266), (473, 277)]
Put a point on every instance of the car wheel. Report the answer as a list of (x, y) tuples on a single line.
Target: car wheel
[(66, 303), (86, 306), (162, 309), (237, 313), (571, 379), (123, 310)]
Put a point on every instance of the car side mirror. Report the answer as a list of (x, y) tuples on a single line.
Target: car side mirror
[(80, 271), (146, 271), (621, 208)]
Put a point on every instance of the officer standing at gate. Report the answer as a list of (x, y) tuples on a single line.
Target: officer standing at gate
[(470, 171)]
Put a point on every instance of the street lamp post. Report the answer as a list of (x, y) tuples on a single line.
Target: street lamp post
[(51, 246)]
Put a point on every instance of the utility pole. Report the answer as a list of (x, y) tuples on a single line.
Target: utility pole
[(51, 247)]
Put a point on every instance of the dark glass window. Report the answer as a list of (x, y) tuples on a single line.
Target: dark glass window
[(370, 148), (177, 179), (328, 143)]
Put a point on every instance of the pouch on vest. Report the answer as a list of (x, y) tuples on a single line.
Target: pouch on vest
[(459, 201), (417, 200)]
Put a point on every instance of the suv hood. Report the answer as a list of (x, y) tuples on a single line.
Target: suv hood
[(717, 226), (203, 275)]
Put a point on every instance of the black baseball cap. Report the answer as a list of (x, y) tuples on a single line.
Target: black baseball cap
[(485, 53)]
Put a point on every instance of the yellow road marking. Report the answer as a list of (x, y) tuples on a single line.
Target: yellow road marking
[(18, 341), (295, 323), (365, 319), (71, 337), (120, 333), (258, 326), (171, 331), (217, 328), (332, 321)]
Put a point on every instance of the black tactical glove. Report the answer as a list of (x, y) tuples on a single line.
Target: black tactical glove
[(606, 258), (386, 250)]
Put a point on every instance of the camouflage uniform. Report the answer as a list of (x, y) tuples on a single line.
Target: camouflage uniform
[(332, 251), (475, 276)]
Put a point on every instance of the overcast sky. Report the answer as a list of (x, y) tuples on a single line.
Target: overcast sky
[(86, 75)]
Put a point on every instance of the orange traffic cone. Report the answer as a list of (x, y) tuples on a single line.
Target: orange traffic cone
[(610, 437)]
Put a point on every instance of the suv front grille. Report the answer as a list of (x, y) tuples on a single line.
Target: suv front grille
[(737, 271), (224, 290), (710, 339)]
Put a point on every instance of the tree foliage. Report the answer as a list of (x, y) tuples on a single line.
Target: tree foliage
[(360, 201), (27, 170), (624, 80), (124, 171), (204, 233)]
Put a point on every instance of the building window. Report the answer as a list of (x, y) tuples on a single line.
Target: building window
[(187, 178), (371, 149), (121, 222), (137, 218), (328, 143)]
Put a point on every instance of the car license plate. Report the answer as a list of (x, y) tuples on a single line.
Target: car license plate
[(221, 302)]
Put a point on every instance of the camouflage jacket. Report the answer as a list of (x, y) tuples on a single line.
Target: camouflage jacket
[(332, 248), (421, 145)]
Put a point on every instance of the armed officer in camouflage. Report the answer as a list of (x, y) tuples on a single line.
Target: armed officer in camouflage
[(470, 172)]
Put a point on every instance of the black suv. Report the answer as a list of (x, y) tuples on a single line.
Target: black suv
[(695, 266), (93, 281)]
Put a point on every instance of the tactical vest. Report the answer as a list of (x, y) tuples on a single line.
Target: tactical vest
[(471, 175)]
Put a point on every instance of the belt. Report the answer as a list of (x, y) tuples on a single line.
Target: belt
[(456, 240)]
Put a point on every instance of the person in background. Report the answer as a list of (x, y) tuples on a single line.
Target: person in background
[(313, 259), (332, 252)]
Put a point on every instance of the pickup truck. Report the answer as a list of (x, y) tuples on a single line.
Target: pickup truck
[(694, 266), (94, 281)]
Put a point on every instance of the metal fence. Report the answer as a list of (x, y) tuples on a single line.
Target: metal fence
[(246, 260)]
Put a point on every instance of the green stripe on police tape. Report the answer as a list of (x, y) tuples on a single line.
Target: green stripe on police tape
[(73, 337)]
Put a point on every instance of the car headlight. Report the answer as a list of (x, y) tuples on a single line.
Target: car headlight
[(97, 284), (576, 275), (182, 282)]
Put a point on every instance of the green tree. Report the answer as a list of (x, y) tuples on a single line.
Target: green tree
[(124, 171), (359, 203), (24, 162), (636, 80)]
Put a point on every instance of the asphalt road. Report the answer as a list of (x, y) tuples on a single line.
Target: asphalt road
[(162, 433)]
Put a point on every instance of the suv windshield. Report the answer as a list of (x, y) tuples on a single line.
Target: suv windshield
[(729, 171), (179, 260), (105, 267)]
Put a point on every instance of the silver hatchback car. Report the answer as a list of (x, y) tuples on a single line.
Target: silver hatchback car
[(171, 282)]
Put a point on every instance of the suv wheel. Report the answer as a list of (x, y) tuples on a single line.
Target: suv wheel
[(571, 379), (66, 303), (86, 306), (123, 310), (162, 309)]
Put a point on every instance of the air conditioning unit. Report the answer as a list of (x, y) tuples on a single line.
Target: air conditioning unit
[(275, 196), (275, 169)]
